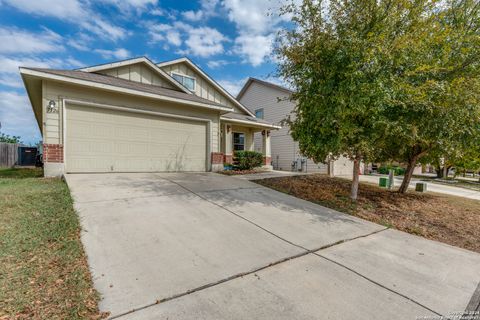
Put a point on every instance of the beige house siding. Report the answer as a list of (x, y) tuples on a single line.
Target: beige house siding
[(283, 148), (138, 72), (203, 88), (53, 129)]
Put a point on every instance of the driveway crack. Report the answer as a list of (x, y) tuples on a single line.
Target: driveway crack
[(301, 254), (377, 283), (241, 274)]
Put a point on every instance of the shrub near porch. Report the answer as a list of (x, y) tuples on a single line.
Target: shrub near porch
[(247, 160)]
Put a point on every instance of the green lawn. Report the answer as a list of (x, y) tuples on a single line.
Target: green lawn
[(43, 269)]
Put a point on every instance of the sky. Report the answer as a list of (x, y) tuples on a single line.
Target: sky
[(230, 40)]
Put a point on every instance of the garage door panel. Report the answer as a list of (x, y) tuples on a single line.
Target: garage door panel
[(80, 147), (101, 140)]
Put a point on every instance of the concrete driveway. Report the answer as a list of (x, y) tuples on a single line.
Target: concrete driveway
[(208, 246)]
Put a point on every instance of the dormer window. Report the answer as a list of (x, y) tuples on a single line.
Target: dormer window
[(186, 81)]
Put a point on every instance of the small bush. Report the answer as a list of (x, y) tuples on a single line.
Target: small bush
[(398, 171), (248, 160)]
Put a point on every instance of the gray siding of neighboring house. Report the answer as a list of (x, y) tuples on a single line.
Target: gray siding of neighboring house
[(284, 149)]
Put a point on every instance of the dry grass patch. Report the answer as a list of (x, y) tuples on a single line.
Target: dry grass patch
[(43, 268), (447, 219)]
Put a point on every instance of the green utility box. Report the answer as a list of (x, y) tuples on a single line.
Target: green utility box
[(383, 182), (421, 187)]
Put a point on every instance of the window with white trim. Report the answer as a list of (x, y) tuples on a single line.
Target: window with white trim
[(186, 81), (238, 141)]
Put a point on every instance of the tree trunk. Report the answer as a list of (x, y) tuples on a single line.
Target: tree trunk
[(439, 172), (355, 180), (408, 175)]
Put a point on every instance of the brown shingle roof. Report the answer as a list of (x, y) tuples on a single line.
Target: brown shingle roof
[(127, 84), (244, 117), (265, 83)]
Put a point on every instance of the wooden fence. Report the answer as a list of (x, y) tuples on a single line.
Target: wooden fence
[(8, 154)]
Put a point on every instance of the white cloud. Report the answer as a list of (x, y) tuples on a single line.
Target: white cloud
[(254, 48), (119, 53), (20, 41), (214, 64), (165, 32), (193, 15), (127, 5), (205, 41), (232, 86), (9, 73), (207, 10), (173, 37), (17, 117), (256, 22), (202, 41), (81, 42), (71, 11), (253, 15), (62, 9), (104, 29), (157, 12)]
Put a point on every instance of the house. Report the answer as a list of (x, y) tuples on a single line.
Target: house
[(272, 103), (138, 116)]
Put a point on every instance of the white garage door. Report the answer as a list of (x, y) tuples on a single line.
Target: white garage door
[(104, 140)]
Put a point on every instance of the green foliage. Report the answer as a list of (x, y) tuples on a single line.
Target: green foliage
[(380, 80), (398, 171), (248, 160), (9, 139)]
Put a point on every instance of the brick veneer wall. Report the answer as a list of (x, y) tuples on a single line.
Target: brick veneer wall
[(217, 158), (228, 158), (267, 161), (52, 153)]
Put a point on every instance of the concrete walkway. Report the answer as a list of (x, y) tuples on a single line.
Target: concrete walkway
[(431, 187), (269, 174), (208, 246)]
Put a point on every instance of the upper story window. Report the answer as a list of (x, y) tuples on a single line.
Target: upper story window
[(188, 82), (259, 113)]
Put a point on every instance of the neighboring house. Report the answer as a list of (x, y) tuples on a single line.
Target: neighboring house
[(137, 116), (271, 103)]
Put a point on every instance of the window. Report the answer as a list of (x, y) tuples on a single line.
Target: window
[(259, 113), (238, 141), (188, 82)]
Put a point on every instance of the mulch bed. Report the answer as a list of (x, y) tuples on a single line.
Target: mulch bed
[(448, 219), (238, 172)]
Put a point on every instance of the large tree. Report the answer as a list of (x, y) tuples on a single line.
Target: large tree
[(434, 109), (337, 58), (381, 79)]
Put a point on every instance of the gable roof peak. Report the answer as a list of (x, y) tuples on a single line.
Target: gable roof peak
[(262, 82), (214, 83), (141, 59)]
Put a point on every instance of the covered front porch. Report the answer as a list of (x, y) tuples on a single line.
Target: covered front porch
[(237, 133)]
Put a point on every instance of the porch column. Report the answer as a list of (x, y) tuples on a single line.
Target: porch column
[(266, 149), (228, 157), (249, 140)]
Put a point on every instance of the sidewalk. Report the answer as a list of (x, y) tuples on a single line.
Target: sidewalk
[(431, 187)]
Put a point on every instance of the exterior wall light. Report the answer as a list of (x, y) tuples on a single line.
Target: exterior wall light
[(52, 107)]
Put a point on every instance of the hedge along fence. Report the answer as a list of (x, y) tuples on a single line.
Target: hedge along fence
[(8, 154)]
